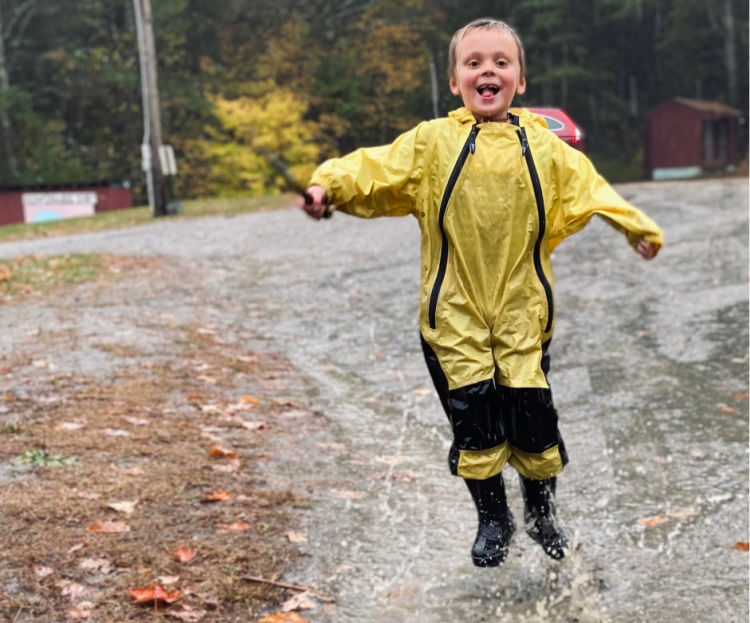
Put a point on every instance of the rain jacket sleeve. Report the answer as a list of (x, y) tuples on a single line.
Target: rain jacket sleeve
[(377, 181), (583, 193)]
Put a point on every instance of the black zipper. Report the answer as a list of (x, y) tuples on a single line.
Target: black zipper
[(469, 146), (521, 132)]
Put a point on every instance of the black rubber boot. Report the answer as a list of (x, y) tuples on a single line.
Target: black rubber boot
[(540, 516), (496, 525)]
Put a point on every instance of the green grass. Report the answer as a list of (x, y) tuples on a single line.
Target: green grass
[(140, 215), (44, 458), (29, 273)]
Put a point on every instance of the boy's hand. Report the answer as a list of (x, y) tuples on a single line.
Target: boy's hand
[(316, 208), (646, 249)]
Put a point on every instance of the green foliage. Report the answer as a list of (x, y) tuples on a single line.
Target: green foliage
[(44, 458), (317, 78)]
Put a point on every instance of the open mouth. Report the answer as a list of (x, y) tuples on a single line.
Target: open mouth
[(488, 90)]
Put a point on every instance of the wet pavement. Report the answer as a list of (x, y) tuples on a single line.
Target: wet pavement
[(649, 374)]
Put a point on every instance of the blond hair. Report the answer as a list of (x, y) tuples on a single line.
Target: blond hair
[(485, 23)]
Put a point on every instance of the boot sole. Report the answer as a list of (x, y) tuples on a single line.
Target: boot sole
[(490, 561)]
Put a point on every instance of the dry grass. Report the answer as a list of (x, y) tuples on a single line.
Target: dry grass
[(142, 215), (144, 436)]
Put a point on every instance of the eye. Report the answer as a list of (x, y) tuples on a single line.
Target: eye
[(472, 63), (501, 62)]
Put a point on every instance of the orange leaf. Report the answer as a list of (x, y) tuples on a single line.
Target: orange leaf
[(724, 408), (220, 451), (194, 398), (652, 522), (236, 526), (252, 400), (109, 526), (155, 593), (217, 495), (183, 554), (284, 617), (742, 546), (741, 396)]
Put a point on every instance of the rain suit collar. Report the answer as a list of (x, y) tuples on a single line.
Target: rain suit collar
[(464, 115)]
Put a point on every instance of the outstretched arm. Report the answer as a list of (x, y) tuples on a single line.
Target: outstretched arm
[(584, 193)]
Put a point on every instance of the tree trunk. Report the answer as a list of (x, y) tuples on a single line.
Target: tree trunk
[(730, 59), (5, 126)]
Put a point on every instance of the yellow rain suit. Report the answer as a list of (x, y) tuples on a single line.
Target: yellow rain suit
[(492, 201)]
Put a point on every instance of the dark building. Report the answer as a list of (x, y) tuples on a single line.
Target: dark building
[(688, 137), (47, 203)]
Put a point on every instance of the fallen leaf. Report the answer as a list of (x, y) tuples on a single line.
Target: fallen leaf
[(109, 526), (168, 579), (81, 610), (221, 451), (76, 547), (342, 494), (136, 421), (296, 537), (742, 546), (284, 617), (229, 468), (42, 572), (405, 477), (404, 591), (724, 408), (741, 396), (255, 425), (183, 554), (237, 526), (250, 400), (217, 495), (42, 363), (194, 398), (71, 426), (123, 507), (187, 614), (681, 512), (652, 522), (88, 495), (422, 391), (115, 432), (134, 471), (155, 593), (300, 601), (95, 564), (206, 379)]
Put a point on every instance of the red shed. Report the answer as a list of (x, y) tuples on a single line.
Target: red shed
[(35, 204), (687, 137)]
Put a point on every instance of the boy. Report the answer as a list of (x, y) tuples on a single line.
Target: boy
[(494, 193)]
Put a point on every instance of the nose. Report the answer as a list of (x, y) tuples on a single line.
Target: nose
[(488, 68)]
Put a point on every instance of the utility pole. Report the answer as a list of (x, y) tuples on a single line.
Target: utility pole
[(151, 162)]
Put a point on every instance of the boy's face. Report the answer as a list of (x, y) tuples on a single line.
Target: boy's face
[(488, 73)]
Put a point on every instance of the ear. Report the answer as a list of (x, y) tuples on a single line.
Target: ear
[(454, 87), (521, 88)]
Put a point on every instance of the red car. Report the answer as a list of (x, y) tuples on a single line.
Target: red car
[(559, 122)]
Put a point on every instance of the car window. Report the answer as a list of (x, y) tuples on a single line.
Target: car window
[(552, 123)]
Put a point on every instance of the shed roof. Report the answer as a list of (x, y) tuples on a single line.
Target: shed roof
[(704, 106)]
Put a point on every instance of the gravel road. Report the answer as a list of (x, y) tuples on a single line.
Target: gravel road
[(650, 375)]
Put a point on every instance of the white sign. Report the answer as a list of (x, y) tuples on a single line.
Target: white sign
[(39, 207)]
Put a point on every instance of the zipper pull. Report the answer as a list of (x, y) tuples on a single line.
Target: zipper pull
[(524, 142), (473, 140)]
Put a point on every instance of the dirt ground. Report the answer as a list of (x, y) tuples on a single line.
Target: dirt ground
[(106, 473)]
